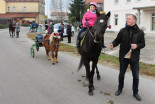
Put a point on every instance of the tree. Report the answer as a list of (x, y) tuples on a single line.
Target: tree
[(77, 10)]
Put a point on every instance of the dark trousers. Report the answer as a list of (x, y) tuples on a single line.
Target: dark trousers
[(62, 36), (82, 29), (135, 73), (69, 38)]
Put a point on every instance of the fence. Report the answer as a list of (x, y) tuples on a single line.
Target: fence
[(4, 21)]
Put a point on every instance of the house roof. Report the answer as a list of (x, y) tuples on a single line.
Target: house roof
[(22, 0), (58, 13), (97, 1), (19, 15), (145, 8)]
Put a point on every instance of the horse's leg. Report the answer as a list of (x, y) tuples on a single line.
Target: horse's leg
[(53, 60), (56, 56), (92, 74), (47, 54), (87, 66), (12, 34), (9, 32), (52, 54), (98, 74)]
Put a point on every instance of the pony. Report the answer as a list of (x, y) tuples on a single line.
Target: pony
[(51, 43), (91, 47), (11, 28)]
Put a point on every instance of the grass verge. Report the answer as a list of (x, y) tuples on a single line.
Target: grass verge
[(146, 69), (2, 26)]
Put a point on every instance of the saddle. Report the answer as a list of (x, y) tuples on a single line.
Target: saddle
[(82, 37)]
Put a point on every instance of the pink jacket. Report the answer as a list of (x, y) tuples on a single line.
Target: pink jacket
[(91, 18)]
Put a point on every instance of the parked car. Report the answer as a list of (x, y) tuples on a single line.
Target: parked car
[(56, 26)]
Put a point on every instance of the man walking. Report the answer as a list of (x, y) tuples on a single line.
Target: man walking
[(131, 40), (68, 31)]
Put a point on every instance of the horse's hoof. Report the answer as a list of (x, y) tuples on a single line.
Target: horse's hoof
[(90, 93), (93, 88), (98, 78), (86, 78), (53, 63), (48, 58)]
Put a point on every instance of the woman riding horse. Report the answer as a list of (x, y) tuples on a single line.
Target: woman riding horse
[(88, 20)]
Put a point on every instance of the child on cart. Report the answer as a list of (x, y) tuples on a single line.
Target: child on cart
[(38, 39)]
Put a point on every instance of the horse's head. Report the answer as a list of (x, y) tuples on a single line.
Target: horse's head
[(100, 26), (56, 38)]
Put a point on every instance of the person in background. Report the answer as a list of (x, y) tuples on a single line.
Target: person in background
[(17, 29), (62, 28), (51, 28), (131, 40), (68, 31), (38, 37), (60, 31), (30, 27), (26, 23)]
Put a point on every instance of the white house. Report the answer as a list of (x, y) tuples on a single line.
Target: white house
[(120, 9)]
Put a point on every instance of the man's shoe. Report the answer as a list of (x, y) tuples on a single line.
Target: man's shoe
[(118, 92), (137, 97)]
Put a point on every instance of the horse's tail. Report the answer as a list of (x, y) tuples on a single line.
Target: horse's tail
[(80, 64)]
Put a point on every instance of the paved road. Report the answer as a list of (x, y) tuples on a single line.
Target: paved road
[(147, 53), (27, 80)]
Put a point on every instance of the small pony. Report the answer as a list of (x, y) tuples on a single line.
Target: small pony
[(51, 43)]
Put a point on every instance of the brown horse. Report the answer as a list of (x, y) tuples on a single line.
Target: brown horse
[(11, 28), (51, 43)]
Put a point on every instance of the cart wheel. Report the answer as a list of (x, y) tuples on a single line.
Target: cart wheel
[(33, 54)]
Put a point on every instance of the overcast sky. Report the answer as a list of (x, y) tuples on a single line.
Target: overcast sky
[(48, 5)]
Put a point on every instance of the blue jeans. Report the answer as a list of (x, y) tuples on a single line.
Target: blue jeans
[(82, 29), (135, 73)]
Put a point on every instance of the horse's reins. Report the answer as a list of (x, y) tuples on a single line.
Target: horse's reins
[(89, 29)]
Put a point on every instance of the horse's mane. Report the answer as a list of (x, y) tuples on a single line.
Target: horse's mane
[(51, 37)]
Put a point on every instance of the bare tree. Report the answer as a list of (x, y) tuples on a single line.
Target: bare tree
[(54, 6), (60, 8)]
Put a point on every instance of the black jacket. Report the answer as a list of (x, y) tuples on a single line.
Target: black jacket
[(125, 39), (51, 29), (68, 31)]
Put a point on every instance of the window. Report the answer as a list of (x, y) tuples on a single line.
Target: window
[(116, 1), (99, 5), (153, 21), (14, 9), (116, 19), (138, 19), (126, 16), (128, 1), (8, 9), (138, 0), (24, 9)]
